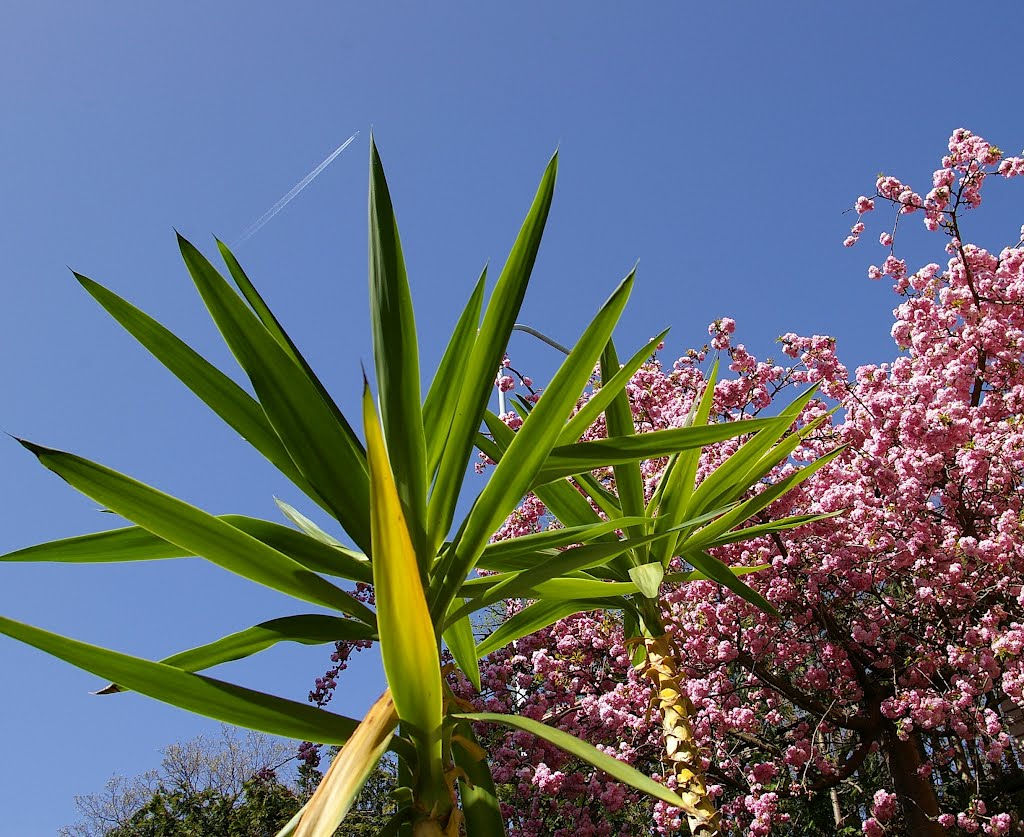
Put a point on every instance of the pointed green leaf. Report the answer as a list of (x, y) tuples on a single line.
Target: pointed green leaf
[(523, 552), (716, 571), (730, 475), (575, 459), (479, 798), (561, 498), (133, 543), (678, 483), (569, 506), (756, 468), (488, 351), (525, 407), (530, 581), (659, 490), (443, 395), (313, 553), (271, 324), (309, 629), (761, 529), (228, 400), (539, 615), (586, 752), (514, 474), (580, 588), (779, 453), (744, 511), (614, 384), (326, 451), (697, 575), (408, 645), (629, 480), (310, 552), (458, 636), (604, 498), (130, 543), (396, 359), (203, 695), (192, 529)]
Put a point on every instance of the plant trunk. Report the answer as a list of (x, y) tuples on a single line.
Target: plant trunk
[(432, 827), (662, 669), (916, 794)]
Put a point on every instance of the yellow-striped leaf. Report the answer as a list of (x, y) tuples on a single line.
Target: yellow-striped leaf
[(349, 771), (408, 645)]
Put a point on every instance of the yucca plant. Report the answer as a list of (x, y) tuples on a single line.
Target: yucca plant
[(394, 492), (682, 518)]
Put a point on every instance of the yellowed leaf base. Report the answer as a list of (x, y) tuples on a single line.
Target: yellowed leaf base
[(682, 752), (433, 828)]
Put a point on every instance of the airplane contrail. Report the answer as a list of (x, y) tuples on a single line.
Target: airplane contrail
[(291, 194)]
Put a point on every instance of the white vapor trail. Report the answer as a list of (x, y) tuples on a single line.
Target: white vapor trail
[(292, 193)]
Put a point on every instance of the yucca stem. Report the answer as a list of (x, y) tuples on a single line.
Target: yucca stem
[(447, 824), (434, 803), (661, 667), (427, 828)]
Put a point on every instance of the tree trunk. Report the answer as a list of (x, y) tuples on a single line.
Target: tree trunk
[(916, 794), (682, 752)]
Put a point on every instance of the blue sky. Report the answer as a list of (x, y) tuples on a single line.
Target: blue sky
[(717, 143)]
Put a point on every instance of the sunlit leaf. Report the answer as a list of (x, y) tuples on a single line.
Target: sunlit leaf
[(458, 636), (521, 552), (325, 450), (512, 477), (589, 456), (479, 798), (396, 359), (744, 511), (195, 531), (304, 524), (349, 771), (677, 483), (408, 645), (443, 395), (276, 330), (203, 695), (133, 543), (540, 615), (308, 629), (226, 398), (585, 752), (715, 570), (615, 382), (482, 364)]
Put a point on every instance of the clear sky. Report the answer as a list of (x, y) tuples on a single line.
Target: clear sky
[(719, 143)]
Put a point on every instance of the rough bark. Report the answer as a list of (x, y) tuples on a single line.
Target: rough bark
[(681, 750)]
